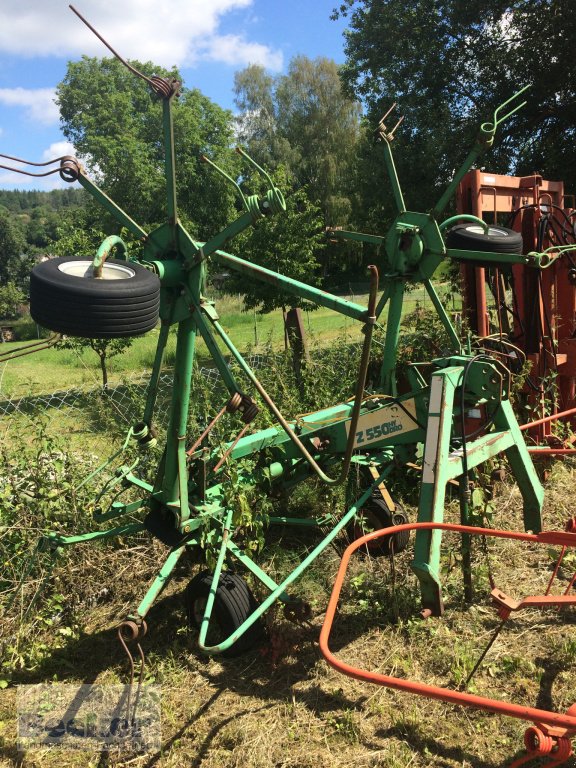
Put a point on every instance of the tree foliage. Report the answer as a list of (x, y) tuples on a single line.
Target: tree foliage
[(304, 122), (290, 243), (448, 65), (115, 124), (104, 348), (11, 300), (13, 262)]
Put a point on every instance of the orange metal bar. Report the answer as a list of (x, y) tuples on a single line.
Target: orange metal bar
[(554, 416), (557, 724)]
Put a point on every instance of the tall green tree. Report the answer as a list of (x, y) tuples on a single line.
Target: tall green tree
[(115, 124), (303, 121), (14, 263), (291, 243), (448, 64)]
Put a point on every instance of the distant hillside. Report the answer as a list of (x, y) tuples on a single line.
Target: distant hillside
[(19, 201)]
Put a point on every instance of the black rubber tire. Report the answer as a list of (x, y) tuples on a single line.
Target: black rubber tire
[(471, 237), (233, 604), (373, 516), (64, 299)]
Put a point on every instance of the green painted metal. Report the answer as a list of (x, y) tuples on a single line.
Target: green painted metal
[(280, 588), (295, 287), (381, 430), (464, 217), (113, 241), (160, 582), (485, 139)]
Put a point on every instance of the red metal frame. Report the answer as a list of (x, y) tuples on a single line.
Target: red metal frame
[(544, 301), (552, 731)]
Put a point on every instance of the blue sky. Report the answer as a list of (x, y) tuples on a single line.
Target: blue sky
[(208, 40)]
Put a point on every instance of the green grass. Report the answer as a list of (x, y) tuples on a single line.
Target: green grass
[(55, 369), (281, 705)]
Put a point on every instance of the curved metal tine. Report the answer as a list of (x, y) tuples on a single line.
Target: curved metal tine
[(30, 162), (114, 53), (381, 132), (252, 162), (28, 349), (393, 131), (223, 173), (497, 119), (28, 173), (385, 115)]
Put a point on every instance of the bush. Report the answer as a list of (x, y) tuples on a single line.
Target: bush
[(25, 329)]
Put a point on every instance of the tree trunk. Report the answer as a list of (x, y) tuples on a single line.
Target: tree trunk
[(103, 369)]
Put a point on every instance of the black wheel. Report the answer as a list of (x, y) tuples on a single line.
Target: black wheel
[(375, 515), (65, 297), (233, 604), (471, 237)]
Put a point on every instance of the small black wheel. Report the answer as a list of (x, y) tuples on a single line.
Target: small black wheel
[(233, 604), (375, 515), (65, 297), (471, 237)]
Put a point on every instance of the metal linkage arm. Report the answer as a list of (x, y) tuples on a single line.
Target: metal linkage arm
[(112, 208), (360, 384), (294, 287)]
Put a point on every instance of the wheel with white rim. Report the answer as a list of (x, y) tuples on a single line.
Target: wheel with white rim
[(472, 237), (67, 298)]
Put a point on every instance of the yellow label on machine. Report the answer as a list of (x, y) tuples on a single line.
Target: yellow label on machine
[(383, 423)]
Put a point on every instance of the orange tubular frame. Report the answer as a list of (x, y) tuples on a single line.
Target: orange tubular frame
[(558, 728)]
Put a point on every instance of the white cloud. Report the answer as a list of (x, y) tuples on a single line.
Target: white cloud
[(58, 149), (234, 50), (37, 102), (168, 33)]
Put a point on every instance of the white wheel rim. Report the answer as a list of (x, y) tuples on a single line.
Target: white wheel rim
[(476, 229), (84, 268)]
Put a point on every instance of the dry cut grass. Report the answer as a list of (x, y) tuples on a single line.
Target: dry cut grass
[(281, 705)]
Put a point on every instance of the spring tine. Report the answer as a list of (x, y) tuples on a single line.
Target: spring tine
[(161, 86), (140, 679), (131, 681), (385, 115), (393, 131)]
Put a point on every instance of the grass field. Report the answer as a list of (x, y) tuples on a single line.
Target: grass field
[(47, 371), (280, 705)]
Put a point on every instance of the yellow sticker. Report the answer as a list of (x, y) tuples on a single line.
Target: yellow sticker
[(385, 422)]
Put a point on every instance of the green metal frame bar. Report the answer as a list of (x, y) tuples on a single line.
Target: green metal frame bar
[(388, 382), (440, 463), (58, 540), (120, 216), (295, 287), (280, 589), (441, 312)]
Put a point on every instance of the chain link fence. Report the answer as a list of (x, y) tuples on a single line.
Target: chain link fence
[(123, 397)]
